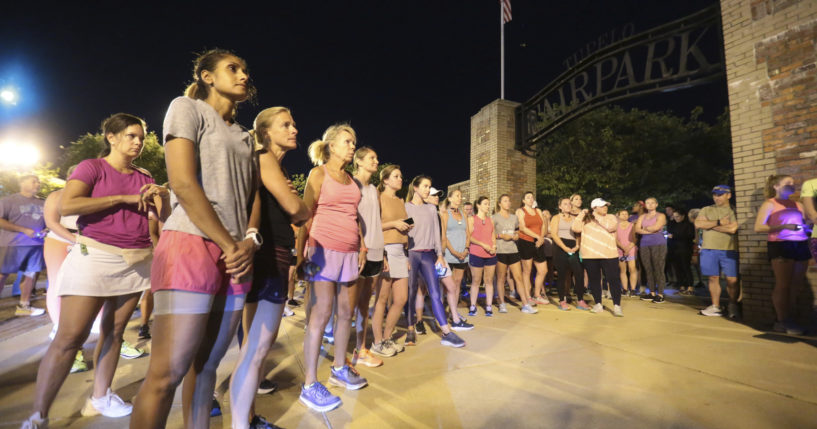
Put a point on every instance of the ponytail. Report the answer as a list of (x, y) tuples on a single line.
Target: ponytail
[(319, 149), (771, 182)]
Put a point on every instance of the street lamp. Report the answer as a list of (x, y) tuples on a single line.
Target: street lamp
[(18, 155), (9, 96)]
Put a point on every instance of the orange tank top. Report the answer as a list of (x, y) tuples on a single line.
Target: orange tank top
[(533, 222)]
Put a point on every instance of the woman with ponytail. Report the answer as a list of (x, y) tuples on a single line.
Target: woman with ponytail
[(782, 220), (336, 254), (205, 254), (275, 134)]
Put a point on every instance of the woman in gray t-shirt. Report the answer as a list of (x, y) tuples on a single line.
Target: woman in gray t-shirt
[(506, 226)]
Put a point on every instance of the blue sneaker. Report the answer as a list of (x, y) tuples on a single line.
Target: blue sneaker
[(329, 337), (472, 311), (215, 409), (347, 377), (318, 398)]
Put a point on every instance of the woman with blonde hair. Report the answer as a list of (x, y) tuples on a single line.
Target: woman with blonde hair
[(336, 254), (275, 134), (787, 243)]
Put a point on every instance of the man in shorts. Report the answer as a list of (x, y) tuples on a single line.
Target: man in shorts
[(22, 229), (719, 250)]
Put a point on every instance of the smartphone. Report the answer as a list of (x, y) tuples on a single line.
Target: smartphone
[(409, 221)]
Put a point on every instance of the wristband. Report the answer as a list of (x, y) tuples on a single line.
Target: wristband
[(719, 222)]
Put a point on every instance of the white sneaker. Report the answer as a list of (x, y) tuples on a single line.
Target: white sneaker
[(288, 311), (711, 311), (598, 308), (527, 309), (617, 311), (110, 405), (503, 308), (35, 421)]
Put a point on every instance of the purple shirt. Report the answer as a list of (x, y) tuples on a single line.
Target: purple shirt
[(121, 225), (21, 211)]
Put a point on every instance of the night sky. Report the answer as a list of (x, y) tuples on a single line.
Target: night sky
[(407, 75)]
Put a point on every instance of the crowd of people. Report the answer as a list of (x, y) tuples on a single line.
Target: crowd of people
[(220, 245)]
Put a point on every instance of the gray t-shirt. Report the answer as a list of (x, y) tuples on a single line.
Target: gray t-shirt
[(505, 225), (226, 166), (368, 210), (21, 211)]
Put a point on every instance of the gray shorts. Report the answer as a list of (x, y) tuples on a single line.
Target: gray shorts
[(174, 301), (398, 261)]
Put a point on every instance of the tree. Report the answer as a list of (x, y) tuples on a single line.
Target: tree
[(49, 180), (625, 156), (90, 145)]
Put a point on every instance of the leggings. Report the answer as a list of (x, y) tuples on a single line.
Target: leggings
[(422, 263), (609, 267), (653, 259), (682, 259), (565, 265)]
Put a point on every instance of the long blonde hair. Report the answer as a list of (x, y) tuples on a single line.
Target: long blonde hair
[(319, 149), (262, 123)]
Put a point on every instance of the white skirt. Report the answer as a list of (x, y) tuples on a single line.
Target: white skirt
[(101, 273)]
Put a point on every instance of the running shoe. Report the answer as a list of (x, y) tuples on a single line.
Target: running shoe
[(581, 305), (734, 311), (215, 407), (420, 327), (109, 405), (144, 332), (647, 297), (788, 327), (527, 309), (472, 310), (364, 357), (598, 308), (266, 386), (259, 422), (293, 303), (617, 311), (348, 377), (452, 340), (503, 308), (488, 311), (712, 311), (541, 300), (318, 398), (411, 338), (28, 310), (563, 306), (399, 348), (288, 311), (128, 351), (659, 299), (329, 337), (462, 325), (383, 349), (35, 421), (79, 364)]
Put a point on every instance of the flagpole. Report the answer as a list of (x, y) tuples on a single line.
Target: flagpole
[(501, 53)]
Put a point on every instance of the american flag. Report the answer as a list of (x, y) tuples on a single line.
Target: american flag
[(506, 11)]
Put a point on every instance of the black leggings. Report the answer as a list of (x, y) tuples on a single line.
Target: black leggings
[(682, 259), (565, 265), (595, 267)]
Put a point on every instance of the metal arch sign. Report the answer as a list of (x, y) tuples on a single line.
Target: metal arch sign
[(672, 56)]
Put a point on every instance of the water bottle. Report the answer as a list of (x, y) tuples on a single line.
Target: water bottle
[(441, 269)]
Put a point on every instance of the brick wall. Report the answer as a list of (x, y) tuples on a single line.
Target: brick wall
[(771, 66), (496, 167)]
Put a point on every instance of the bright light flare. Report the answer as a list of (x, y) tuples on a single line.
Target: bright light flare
[(18, 155), (9, 96)]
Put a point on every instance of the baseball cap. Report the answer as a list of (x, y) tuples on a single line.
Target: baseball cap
[(434, 191), (598, 202), (721, 189)]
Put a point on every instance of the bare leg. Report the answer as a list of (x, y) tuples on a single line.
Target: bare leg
[(399, 297), (364, 296), (516, 273), (382, 290), (248, 371), (476, 276), (324, 293), (451, 296), (146, 307), (634, 275), (27, 287), (74, 327), (488, 280), (527, 266), (715, 290), (347, 302), (115, 315), (54, 253), (200, 381), (501, 271), (539, 281)]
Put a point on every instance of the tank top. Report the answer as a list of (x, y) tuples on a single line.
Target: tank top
[(623, 235), (334, 225), (786, 212), (565, 230), (505, 225), (369, 212), (533, 222), (654, 239), (276, 225), (455, 233), (391, 209), (69, 222), (483, 231)]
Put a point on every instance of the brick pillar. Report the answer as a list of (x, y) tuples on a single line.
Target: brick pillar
[(496, 167), (771, 66)]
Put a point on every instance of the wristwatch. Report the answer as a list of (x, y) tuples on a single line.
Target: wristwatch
[(255, 236)]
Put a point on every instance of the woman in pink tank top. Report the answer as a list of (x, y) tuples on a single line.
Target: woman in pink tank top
[(782, 219), (333, 253), (625, 241), (482, 258)]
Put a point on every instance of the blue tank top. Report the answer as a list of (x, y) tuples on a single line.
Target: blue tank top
[(455, 232)]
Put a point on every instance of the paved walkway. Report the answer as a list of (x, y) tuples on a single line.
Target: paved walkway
[(661, 366)]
